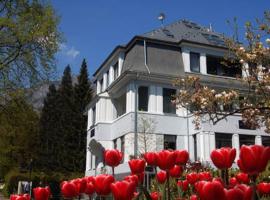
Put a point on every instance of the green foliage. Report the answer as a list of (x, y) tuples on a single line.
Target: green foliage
[(53, 179), (63, 124), (29, 40), (18, 133)]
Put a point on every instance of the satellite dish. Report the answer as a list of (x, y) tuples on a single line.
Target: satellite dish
[(96, 148)]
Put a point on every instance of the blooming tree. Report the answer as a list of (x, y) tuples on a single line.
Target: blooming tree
[(253, 101)]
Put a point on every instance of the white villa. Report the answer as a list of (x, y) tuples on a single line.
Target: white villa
[(132, 103)]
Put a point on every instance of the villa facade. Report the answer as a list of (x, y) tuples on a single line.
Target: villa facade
[(133, 96)]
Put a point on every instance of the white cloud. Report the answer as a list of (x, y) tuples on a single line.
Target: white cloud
[(70, 52)]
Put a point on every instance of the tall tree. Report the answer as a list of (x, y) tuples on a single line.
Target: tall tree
[(29, 40), (18, 133), (82, 98), (66, 123), (49, 136)]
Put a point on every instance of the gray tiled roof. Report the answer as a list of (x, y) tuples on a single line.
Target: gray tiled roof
[(186, 30)]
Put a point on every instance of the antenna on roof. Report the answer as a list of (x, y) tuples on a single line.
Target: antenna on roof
[(161, 18), (210, 27)]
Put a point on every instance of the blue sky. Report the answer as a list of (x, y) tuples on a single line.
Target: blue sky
[(92, 28)]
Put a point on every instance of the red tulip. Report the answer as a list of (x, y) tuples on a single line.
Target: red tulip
[(123, 190), (151, 158), (183, 185), (204, 176), (161, 176), (69, 189), (176, 171), (20, 197), (42, 193), (182, 157), (219, 180), (212, 191), (199, 186), (233, 182), (242, 178), (263, 188), (253, 159), (192, 178), (90, 188), (137, 166), (132, 178), (235, 194), (113, 157), (223, 157), (102, 184), (247, 191), (166, 159), (194, 197), (89, 178), (80, 184), (155, 196), (140, 177)]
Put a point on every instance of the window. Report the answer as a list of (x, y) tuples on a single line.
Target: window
[(170, 142), (194, 62), (108, 79), (216, 66), (101, 85), (243, 125), (195, 146), (143, 98), (115, 69), (246, 140), (115, 143), (168, 106), (265, 140), (123, 146), (223, 140), (94, 116)]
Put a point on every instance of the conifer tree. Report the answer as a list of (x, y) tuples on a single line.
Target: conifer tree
[(66, 121), (49, 130), (82, 98)]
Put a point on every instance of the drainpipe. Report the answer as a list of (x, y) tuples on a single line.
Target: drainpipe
[(136, 120), (145, 56)]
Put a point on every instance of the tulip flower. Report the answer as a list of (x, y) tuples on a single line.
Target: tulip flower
[(194, 197), (212, 191), (176, 171), (102, 184), (20, 197), (161, 176), (223, 157), (166, 159), (183, 185), (155, 196), (263, 188), (151, 158), (242, 178), (41, 193), (123, 190), (182, 157), (132, 178), (233, 182), (235, 194), (253, 159), (204, 176), (113, 157), (136, 166), (247, 191), (90, 188), (80, 184), (192, 178), (69, 189)]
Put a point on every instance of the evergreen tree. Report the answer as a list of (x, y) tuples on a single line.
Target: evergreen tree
[(66, 123), (49, 130), (82, 98)]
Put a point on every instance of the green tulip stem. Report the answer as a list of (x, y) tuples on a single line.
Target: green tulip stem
[(113, 172), (168, 185), (253, 185)]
